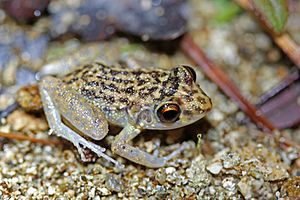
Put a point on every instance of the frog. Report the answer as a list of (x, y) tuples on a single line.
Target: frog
[(80, 106)]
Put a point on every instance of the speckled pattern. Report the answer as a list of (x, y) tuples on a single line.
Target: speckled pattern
[(122, 89)]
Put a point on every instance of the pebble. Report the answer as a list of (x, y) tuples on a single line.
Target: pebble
[(197, 174), (31, 191), (230, 160), (212, 190), (51, 190), (160, 176), (170, 170), (215, 168), (92, 193), (228, 183), (31, 170), (48, 172), (104, 191), (71, 193), (114, 183), (97, 198)]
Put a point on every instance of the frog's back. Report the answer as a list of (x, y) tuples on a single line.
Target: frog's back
[(115, 88)]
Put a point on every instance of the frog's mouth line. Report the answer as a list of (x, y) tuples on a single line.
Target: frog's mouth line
[(173, 125)]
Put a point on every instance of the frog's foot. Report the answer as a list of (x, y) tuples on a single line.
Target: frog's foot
[(82, 143), (121, 147), (182, 147)]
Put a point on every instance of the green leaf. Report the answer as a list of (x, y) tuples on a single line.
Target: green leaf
[(274, 12), (225, 11)]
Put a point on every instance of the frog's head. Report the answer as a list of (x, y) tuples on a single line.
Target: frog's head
[(181, 102)]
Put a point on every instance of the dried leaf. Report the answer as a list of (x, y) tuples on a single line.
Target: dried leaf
[(281, 103)]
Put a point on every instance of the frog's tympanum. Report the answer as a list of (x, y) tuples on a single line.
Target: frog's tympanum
[(136, 99)]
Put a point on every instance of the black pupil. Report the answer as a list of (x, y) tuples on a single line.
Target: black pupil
[(170, 115)]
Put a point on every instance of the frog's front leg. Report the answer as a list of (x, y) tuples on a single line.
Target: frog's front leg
[(61, 100), (121, 147)]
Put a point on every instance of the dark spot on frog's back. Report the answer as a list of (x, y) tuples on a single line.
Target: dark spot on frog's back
[(102, 77), (115, 72), (123, 100), (171, 82), (195, 91), (155, 74), (129, 90), (157, 80), (116, 80), (152, 89), (144, 92), (95, 71), (119, 80), (87, 93), (110, 99), (124, 72), (136, 73), (171, 92), (93, 83), (175, 71), (106, 109), (127, 81), (111, 87), (188, 98), (140, 81), (201, 100)]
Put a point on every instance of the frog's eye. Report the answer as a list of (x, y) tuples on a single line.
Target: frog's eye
[(168, 112), (191, 72)]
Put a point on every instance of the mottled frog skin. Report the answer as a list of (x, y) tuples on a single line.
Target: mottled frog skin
[(136, 99)]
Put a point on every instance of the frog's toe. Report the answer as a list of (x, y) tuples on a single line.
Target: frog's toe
[(182, 147)]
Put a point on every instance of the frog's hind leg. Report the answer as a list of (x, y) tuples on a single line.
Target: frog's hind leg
[(52, 88), (121, 147)]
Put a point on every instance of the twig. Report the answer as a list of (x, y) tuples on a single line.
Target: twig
[(19, 136), (284, 41), (288, 46), (9, 109), (192, 50)]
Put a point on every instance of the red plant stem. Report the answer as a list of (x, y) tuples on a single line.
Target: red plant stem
[(289, 47), (192, 50), (19, 136), (284, 41)]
